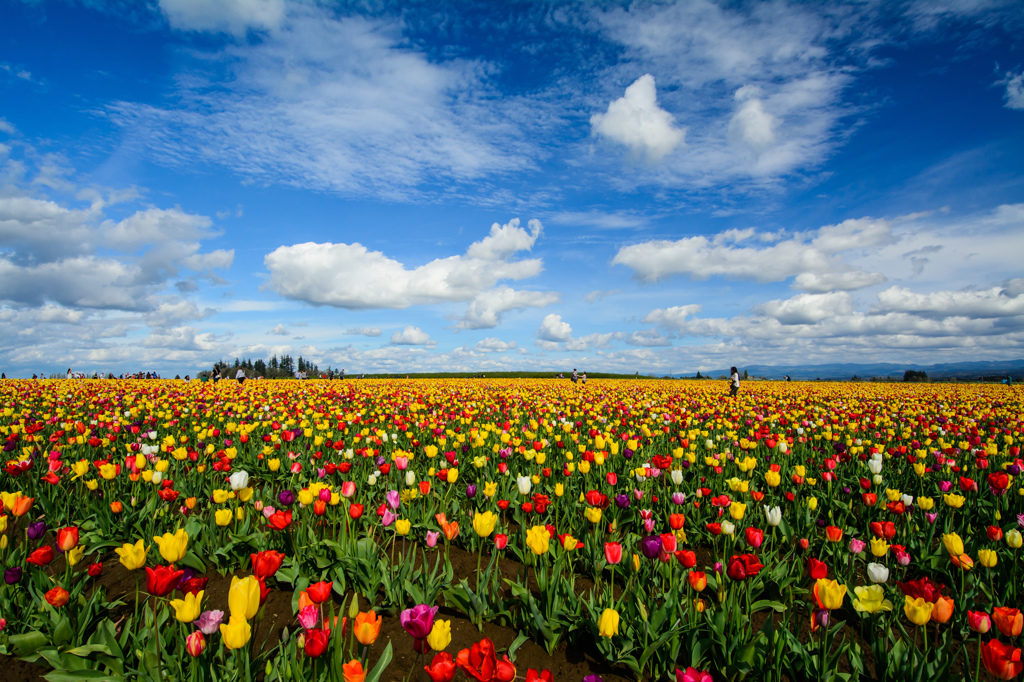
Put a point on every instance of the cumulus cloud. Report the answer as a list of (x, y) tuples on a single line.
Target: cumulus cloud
[(486, 309), (813, 254), (553, 328), (353, 277), (232, 16), (493, 345), (996, 302), (807, 308), (411, 336), (636, 121), (280, 330), (751, 125)]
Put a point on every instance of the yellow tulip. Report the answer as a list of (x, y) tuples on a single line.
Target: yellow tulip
[(951, 500), (75, 555), (871, 599), (812, 503), (490, 488), (608, 623), (538, 539), (879, 547), (188, 609), (403, 526), (737, 510), (236, 633), (244, 597), (1013, 538), (830, 593), (953, 543), (772, 478), (133, 557), (220, 496), (918, 611), (484, 523), (594, 514), (273, 465), (440, 635), (172, 547), (223, 517), (987, 557), (925, 503)]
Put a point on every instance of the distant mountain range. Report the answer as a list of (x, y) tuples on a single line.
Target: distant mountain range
[(846, 371)]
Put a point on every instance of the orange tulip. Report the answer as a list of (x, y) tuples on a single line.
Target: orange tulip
[(22, 505), (367, 627), (943, 610), (698, 580), (1009, 621), (353, 671), (57, 597)]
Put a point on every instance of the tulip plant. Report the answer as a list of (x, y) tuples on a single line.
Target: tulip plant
[(813, 532)]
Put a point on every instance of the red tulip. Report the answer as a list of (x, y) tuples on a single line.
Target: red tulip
[(612, 552), (162, 580), (266, 563), (442, 668), (921, 588), (687, 557), (1002, 660), (995, 533), (834, 534), (755, 536), (542, 676), (743, 566), (67, 538), (316, 641), (816, 569), (42, 556), (500, 541), (355, 510), (319, 592)]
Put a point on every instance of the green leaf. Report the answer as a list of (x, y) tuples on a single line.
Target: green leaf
[(382, 663), (62, 633), (88, 649), (75, 675), (28, 643), (767, 604), (516, 643)]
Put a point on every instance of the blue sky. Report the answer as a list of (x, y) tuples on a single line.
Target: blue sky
[(653, 187)]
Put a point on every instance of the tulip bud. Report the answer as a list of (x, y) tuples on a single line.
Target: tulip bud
[(195, 644)]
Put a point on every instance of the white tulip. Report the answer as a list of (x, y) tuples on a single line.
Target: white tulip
[(524, 484), (875, 466), (157, 477), (877, 573), (876, 479), (239, 480), (677, 476), (349, 454), (728, 528), (908, 499), (371, 479), (773, 514), (410, 478)]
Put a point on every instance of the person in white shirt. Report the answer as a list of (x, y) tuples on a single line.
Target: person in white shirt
[(240, 376), (734, 381)]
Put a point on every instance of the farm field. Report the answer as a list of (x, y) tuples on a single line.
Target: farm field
[(494, 529)]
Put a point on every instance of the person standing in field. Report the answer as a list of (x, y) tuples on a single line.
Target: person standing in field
[(734, 381)]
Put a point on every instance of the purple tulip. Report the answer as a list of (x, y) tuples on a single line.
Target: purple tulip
[(678, 498), (821, 618), (209, 621), (418, 621), (393, 499), (36, 530), (622, 501), (946, 486), (1020, 520), (1013, 470), (13, 575), (286, 498), (593, 678), (471, 490), (650, 546), (931, 516), (627, 453)]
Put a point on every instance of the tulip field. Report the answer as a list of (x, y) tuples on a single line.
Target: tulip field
[(495, 530)]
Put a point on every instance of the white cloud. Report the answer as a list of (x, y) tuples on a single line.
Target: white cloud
[(233, 16), (363, 331), (174, 312), (338, 104), (647, 338), (486, 309), (552, 328), (7, 127), (700, 257), (807, 308), (616, 220), (636, 121), (280, 330), (411, 336), (996, 302), (595, 340), (1014, 90), (351, 276), (784, 62), (598, 295), (752, 126), (493, 345)]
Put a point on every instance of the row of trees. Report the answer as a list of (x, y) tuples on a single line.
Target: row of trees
[(283, 368)]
